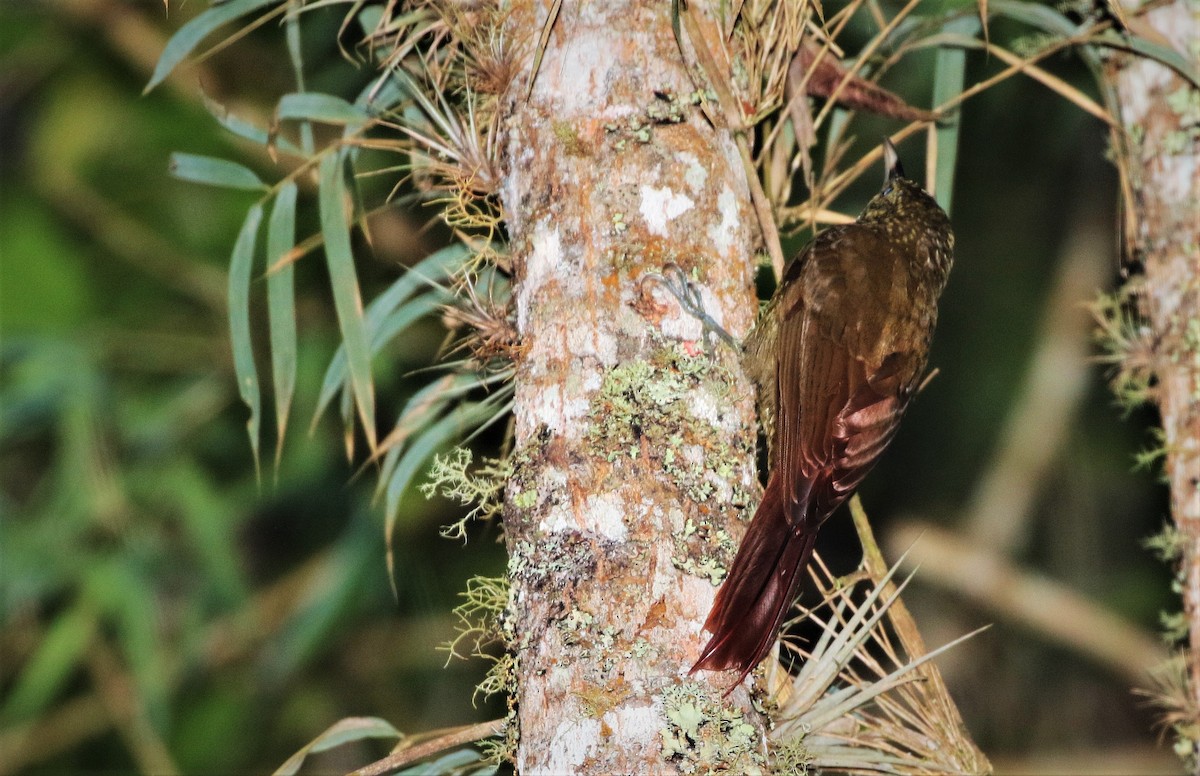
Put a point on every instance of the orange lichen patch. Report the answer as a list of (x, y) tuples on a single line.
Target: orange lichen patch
[(598, 701), (656, 617)]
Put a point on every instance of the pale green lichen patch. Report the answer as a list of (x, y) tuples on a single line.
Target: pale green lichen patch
[(645, 407), (704, 735), (648, 409), (558, 560), (451, 476), (711, 559), (666, 108), (792, 758)]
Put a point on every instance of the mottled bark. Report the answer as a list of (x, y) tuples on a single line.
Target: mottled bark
[(634, 455), (1161, 115)]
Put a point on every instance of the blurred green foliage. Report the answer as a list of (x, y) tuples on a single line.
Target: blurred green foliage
[(163, 611)]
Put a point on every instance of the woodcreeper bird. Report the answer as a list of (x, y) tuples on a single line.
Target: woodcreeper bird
[(837, 355)]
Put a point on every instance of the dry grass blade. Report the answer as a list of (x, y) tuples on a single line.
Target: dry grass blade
[(862, 58), (1026, 65), (868, 698), (734, 121), (543, 40)]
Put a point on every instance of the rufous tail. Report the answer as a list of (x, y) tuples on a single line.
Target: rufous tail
[(761, 586)]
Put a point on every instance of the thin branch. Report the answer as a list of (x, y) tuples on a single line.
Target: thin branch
[(449, 739)]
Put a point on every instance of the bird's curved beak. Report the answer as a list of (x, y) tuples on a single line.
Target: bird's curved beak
[(891, 162)]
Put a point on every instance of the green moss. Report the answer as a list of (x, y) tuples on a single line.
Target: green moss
[(702, 734), (569, 137)]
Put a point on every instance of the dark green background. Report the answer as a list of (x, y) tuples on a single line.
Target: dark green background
[(234, 620)]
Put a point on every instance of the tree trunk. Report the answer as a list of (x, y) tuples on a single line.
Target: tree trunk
[(1161, 115), (634, 453)]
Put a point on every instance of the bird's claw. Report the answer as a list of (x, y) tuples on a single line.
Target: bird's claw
[(687, 293)]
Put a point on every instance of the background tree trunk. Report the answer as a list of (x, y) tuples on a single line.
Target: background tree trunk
[(1160, 111), (634, 453)]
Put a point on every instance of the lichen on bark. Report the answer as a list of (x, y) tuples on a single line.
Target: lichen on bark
[(611, 172)]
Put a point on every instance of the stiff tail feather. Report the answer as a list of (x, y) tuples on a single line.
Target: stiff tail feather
[(762, 584)]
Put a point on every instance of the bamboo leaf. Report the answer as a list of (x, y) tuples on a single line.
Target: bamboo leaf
[(189, 35), (346, 297), (450, 763), (1164, 55), (214, 172), (1045, 17), (281, 308), (948, 77), (341, 732), (296, 52), (244, 129), (323, 108), (59, 651), (240, 266), (464, 416), (423, 405), (432, 269)]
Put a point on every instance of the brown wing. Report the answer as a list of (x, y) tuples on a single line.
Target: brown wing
[(841, 386)]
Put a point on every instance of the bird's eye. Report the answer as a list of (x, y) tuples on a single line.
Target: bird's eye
[(887, 190)]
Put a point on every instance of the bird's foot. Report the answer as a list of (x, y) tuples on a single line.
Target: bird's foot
[(687, 293)]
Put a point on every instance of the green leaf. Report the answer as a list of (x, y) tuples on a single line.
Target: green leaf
[(448, 763), (189, 35), (62, 647), (281, 308), (341, 732), (948, 77), (421, 407), (1045, 17), (239, 322), (214, 172), (1164, 55), (130, 601), (346, 297), (244, 129), (432, 269), (183, 488), (324, 108), (466, 416), (333, 594), (296, 52)]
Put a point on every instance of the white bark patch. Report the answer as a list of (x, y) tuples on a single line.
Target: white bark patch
[(605, 517), (554, 412), (544, 257), (578, 83), (661, 206), (704, 406), (638, 724), (725, 234), (585, 341), (695, 176), (684, 326), (573, 739)]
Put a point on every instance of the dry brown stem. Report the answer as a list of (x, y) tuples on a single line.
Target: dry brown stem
[(1030, 599)]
